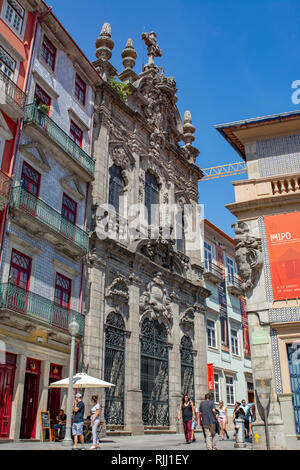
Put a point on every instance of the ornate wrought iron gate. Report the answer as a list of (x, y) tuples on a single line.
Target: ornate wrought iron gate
[(114, 369), (293, 351), (187, 367), (155, 374)]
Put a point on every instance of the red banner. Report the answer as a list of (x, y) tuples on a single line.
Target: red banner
[(210, 375), (283, 238)]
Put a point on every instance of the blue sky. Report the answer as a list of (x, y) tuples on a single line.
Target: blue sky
[(231, 60)]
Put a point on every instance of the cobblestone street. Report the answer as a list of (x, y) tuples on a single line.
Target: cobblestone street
[(159, 442)]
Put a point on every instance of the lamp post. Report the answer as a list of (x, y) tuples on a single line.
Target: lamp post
[(73, 329)]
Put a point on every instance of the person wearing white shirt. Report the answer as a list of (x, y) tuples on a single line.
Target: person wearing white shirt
[(95, 419)]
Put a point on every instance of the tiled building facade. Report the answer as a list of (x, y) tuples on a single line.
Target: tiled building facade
[(267, 209), (227, 331)]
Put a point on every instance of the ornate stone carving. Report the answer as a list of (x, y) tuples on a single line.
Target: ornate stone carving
[(118, 290), (104, 43), (248, 255), (155, 301), (187, 319)]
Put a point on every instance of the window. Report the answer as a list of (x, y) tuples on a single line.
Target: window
[(41, 97), (116, 188), (180, 239), (152, 199), (20, 267), (48, 53), (216, 393), (62, 294), (7, 64), (76, 134), (230, 269), (30, 179), (80, 89), (207, 254), (69, 209), (211, 333), (230, 390), (234, 342), (15, 15)]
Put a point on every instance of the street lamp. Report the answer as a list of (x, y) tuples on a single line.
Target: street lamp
[(73, 330)]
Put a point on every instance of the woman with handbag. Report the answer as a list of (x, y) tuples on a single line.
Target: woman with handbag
[(188, 416)]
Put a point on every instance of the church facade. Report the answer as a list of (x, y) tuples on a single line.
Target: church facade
[(145, 322)]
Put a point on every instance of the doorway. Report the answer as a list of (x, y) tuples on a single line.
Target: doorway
[(30, 399), (7, 378)]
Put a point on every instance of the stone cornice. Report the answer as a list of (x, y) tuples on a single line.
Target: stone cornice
[(261, 204)]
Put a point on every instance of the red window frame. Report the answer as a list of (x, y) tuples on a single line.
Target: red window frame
[(62, 294), (80, 89), (42, 96), (48, 52), (19, 270), (28, 181), (69, 209), (76, 133)]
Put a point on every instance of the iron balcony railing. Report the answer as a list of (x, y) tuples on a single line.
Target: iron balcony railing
[(12, 91), (42, 120), (22, 199), (32, 305), (213, 268), (5, 186), (233, 281)]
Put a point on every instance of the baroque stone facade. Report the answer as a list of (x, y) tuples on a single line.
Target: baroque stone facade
[(138, 278)]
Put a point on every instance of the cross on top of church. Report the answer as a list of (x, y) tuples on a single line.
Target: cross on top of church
[(153, 49)]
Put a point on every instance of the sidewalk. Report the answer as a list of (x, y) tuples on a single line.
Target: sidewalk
[(146, 442)]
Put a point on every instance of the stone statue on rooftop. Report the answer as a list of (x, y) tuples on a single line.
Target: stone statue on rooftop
[(153, 49)]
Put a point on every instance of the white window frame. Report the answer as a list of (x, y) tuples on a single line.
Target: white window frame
[(19, 32), (214, 329), (217, 383), (230, 272), (208, 249), (235, 346), (232, 389), (10, 58)]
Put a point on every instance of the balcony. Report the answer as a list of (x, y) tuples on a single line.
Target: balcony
[(5, 187), (12, 98), (234, 286), (212, 272), (40, 219), (50, 135), (28, 305)]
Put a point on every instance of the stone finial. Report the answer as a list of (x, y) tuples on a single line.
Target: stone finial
[(129, 55), (104, 43), (188, 128)]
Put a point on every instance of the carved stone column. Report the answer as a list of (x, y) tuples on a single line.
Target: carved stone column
[(174, 367), (133, 393), (200, 360)]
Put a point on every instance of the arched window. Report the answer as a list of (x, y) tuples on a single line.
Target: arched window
[(116, 188), (114, 371), (155, 373), (152, 199), (187, 367)]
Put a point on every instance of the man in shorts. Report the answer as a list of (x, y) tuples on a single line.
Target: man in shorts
[(78, 421)]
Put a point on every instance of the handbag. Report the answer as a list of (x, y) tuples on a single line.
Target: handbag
[(217, 426)]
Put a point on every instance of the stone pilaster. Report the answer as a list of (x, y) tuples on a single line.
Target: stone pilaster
[(200, 360), (133, 394), (175, 368)]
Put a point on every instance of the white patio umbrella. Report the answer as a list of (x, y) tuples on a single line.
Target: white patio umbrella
[(82, 380)]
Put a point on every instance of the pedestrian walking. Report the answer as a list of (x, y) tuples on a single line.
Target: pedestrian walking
[(223, 419), (78, 421), (252, 419), (207, 417), (95, 420), (187, 411), (245, 407)]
